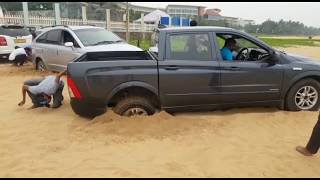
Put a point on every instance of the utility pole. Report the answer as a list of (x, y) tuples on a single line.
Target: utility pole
[(127, 23)]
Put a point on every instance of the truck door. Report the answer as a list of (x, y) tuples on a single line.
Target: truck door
[(248, 79), (189, 73)]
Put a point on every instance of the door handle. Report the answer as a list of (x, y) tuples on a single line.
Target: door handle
[(171, 68)]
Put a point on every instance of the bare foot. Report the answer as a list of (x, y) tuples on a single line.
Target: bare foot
[(303, 151), (21, 103)]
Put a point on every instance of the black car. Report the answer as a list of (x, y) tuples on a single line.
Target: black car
[(188, 73)]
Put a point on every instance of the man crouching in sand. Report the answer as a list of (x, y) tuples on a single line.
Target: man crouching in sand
[(47, 87)]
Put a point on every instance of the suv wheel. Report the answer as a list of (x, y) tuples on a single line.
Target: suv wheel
[(41, 66), (304, 95), (134, 106)]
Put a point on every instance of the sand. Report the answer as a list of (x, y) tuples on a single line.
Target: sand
[(246, 142)]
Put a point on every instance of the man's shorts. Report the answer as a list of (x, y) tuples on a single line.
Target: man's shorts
[(20, 59)]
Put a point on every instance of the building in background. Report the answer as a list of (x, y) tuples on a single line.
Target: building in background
[(201, 11), (214, 15), (212, 12), (185, 11), (142, 9)]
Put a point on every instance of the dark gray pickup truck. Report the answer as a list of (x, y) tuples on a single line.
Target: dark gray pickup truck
[(186, 72)]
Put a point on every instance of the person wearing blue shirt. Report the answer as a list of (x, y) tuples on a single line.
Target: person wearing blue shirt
[(226, 51)]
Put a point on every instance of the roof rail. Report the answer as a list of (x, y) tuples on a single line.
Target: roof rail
[(63, 25), (55, 26)]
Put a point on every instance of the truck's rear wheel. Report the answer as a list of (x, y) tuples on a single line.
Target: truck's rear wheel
[(134, 106)]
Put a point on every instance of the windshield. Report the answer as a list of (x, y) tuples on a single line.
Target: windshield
[(95, 36), (14, 31)]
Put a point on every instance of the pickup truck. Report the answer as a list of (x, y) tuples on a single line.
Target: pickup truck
[(186, 71)]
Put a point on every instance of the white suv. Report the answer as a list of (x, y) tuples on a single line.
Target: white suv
[(12, 36), (56, 46)]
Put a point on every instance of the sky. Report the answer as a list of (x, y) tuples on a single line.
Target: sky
[(306, 12)]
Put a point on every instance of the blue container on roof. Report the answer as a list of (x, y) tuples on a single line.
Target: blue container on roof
[(185, 22), (164, 20), (175, 21)]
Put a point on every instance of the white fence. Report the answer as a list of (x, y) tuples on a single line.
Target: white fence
[(39, 21), (9, 19)]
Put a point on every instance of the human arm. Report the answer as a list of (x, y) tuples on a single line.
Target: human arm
[(60, 75)]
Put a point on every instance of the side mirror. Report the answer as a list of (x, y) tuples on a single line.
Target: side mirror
[(271, 52), (271, 60), (68, 44)]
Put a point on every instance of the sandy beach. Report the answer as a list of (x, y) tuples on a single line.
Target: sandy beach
[(246, 142)]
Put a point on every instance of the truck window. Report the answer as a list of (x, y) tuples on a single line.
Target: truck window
[(189, 47)]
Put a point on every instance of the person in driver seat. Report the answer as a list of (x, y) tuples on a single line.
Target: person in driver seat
[(226, 51)]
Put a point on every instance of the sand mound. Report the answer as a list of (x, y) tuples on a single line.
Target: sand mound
[(159, 126)]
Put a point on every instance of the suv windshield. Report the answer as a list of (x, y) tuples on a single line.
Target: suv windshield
[(14, 31), (95, 36)]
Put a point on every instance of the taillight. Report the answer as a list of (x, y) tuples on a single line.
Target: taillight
[(73, 90), (3, 41)]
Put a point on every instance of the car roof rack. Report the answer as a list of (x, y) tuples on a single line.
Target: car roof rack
[(55, 26)]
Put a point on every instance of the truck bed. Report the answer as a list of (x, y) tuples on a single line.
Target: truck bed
[(98, 74)]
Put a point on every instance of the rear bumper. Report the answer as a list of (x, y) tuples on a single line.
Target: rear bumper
[(85, 109), (6, 49), (76, 103)]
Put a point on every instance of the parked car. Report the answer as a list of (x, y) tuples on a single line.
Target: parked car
[(56, 46), (188, 73), (12, 36)]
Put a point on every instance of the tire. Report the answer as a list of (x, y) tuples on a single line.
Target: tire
[(293, 97), (86, 110), (41, 66), (134, 104)]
